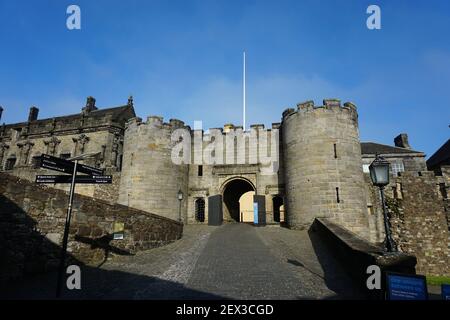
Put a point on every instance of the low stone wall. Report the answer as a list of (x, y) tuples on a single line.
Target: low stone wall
[(32, 221), (356, 254)]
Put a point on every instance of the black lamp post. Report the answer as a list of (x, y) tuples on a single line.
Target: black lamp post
[(180, 198), (379, 173)]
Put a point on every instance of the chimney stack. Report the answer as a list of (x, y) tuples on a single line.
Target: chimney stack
[(1, 112), (401, 141), (33, 115), (90, 105)]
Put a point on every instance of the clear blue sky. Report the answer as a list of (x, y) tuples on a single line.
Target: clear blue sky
[(183, 59)]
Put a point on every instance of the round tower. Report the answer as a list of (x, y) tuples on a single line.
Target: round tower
[(322, 165), (150, 181)]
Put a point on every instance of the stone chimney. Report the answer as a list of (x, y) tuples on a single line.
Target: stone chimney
[(401, 141), (1, 112), (33, 114), (90, 105)]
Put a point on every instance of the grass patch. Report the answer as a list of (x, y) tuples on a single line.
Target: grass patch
[(438, 280)]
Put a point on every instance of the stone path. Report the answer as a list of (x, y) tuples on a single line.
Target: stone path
[(234, 261)]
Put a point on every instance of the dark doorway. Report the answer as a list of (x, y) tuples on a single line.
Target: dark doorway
[(215, 216), (200, 210), (231, 195), (277, 203)]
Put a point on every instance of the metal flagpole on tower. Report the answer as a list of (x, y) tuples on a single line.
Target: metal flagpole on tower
[(243, 95)]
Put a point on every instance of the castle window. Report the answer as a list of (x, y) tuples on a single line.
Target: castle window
[(443, 190), (338, 200), (200, 171), (397, 167), (335, 151), (200, 210), (120, 162), (36, 162), (16, 133), (10, 163)]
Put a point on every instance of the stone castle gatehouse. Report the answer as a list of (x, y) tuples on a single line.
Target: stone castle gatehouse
[(321, 171)]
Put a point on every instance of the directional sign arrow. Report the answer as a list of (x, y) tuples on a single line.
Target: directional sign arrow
[(51, 179), (66, 166)]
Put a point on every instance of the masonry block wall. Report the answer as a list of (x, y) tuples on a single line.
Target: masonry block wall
[(418, 211), (32, 223)]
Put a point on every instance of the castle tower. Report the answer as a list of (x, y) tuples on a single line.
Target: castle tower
[(150, 181), (323, 169)]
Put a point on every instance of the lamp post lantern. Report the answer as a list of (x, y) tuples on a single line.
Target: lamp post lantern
[(379, 174), (180, 198)]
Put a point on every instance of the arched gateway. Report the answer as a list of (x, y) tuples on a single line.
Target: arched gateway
[(232, 191), (226, 206)]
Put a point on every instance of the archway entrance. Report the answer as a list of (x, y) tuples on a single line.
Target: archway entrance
[(232, 193)]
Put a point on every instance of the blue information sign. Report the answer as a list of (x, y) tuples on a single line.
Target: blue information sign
[(406, 287), (255, 212), (445, 290)]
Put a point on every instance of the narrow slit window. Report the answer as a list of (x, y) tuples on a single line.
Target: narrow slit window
[(443, 190), (338, 200), (335, 151), (200, 171)]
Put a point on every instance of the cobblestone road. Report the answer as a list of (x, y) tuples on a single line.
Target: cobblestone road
[(234, 261)]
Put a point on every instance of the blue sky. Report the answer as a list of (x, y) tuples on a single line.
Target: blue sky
[(183, 59)]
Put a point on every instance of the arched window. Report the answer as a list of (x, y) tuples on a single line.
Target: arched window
[(10, 162), (200, 210)]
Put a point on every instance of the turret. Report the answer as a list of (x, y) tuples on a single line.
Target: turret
[(322, 165), (150, 180)]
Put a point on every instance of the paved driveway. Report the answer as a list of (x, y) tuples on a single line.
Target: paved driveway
[(234, 261)]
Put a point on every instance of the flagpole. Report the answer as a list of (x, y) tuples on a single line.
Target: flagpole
[(243, 95)]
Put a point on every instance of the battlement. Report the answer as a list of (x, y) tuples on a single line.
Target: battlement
[(156, 121), (328, 104)]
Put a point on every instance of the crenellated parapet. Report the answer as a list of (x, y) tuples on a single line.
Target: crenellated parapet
[(329, 105), (156, 122)]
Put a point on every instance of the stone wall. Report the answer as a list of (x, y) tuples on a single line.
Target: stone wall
[(356, 254), (107, 192), (419, 218), (150, 181), (323, 169), (32, 220)]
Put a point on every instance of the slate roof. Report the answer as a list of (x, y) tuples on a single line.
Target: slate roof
[(442, 156), (374, 148)]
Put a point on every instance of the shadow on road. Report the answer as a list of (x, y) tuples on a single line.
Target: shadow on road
[(101, 284), (104, 244), (29, 260)]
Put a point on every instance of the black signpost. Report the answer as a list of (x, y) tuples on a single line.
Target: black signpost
[(66, 166), (49, 179), (71, 168)]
